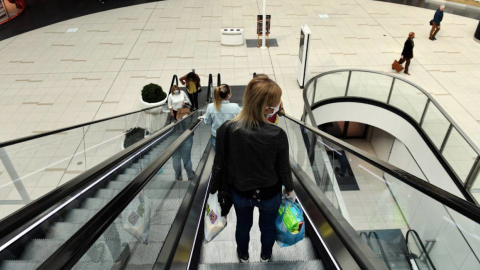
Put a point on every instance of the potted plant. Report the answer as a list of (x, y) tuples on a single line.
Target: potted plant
[(153, 95), (133, 136)]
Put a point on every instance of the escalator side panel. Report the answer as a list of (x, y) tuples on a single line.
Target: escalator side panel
[(340, 241), (188, 249)]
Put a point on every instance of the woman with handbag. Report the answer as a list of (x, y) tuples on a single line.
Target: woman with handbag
[(251, 164), (176, 100)]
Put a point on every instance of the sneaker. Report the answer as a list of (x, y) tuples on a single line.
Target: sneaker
[(178, 179), (243, 259), (263, 259)]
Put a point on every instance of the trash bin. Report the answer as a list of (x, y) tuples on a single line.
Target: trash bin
[(232, 36)]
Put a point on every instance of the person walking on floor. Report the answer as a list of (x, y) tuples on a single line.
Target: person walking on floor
[(435, 23), (407, 53), (221, 110), (192, 82), (252, 156)]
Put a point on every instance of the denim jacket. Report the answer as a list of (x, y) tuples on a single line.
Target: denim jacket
[(216, 118)]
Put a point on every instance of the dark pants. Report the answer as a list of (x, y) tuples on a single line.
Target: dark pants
[(406, 65), (435, 29), (194, 99), (268, 214)]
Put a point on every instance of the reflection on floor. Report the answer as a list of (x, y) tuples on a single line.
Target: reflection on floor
[(343, 171), (372, 207), (390, 245)]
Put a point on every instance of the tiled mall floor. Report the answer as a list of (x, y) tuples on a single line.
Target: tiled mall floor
[(51, 78)]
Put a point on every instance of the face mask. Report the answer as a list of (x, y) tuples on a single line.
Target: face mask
[(275, 110), (176, 92)]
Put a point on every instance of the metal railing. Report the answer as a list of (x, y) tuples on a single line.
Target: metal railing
[(459, 151)]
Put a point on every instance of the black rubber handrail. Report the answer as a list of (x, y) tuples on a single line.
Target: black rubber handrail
[(52, 132), (174, 82), (421, 245), (17, 222), (458, 204), (382, 251), (209, 90), (219, 80), (76, 246)]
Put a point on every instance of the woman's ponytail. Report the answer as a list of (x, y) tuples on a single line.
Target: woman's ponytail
[(220, 93)]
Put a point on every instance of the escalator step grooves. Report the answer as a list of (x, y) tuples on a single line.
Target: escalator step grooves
[(306, 265)]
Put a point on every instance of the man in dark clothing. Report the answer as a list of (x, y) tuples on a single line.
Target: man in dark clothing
[(437, 19), (407, 53)]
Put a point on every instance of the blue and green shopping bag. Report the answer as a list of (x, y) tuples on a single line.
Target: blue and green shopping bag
[(289, 224)]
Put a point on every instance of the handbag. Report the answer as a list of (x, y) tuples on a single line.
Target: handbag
[(225, 192), (431, 22), (182, 112), (397, 66)]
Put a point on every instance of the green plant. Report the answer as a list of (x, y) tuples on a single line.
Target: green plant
[(133, 136), (153, 93)]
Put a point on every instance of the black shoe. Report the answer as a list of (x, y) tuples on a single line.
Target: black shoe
[(434, 38), (243, 259), (263, 259), (431, 39)]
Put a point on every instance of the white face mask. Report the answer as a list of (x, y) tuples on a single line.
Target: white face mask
[(176, 92), (275, 110)]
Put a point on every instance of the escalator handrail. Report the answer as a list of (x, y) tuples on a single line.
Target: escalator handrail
[(421, 245), (209, 90), (380, 246), (23, 220), (76, 246), (56, 131), (219, 80), (174, 81), (465, 208)]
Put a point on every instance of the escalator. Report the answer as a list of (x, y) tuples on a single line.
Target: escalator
[(82, 224)]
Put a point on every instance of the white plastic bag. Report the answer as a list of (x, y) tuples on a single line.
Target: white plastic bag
[(136, 218), (214, 222)]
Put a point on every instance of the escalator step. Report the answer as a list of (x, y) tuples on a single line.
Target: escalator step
[(29, 265), (165, 204), (145, 254), (307, 265), (81, 216), (226, 252)]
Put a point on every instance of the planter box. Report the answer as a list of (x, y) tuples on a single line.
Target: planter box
[(154, 111)]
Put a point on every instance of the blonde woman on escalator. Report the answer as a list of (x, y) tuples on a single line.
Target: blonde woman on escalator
[(221, 110), (252, 164)]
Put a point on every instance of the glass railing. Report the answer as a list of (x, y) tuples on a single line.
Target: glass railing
[(160, 201), (88, 203), (30, 169), (387, 202), (459, 151)]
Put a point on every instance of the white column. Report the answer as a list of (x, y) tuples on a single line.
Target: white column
[(264, 26)]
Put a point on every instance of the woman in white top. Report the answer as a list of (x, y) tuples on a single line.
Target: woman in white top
[(176, 100), (221, 110)]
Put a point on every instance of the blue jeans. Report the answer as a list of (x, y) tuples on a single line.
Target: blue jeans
[(268, 214), (183, 153), (214, 142)]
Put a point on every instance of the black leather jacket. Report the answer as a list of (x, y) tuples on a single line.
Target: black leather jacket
[(257, 159)]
